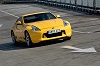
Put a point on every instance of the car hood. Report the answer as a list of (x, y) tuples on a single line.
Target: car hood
[(47, 23)]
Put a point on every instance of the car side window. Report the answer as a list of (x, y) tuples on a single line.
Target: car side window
[(19, 19)]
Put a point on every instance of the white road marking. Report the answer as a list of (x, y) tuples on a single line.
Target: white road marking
[(81, 32), (92, 49), (1, 25), (9, 14), (94, 19)]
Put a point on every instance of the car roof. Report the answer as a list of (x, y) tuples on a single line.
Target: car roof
[(34, 13)]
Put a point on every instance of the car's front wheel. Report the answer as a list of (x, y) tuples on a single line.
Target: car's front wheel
[(28, 40), (67, 38)]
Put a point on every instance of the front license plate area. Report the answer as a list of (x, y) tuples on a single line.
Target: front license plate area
[(54, 31)]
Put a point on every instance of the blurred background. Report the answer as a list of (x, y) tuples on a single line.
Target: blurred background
[(89, 6)]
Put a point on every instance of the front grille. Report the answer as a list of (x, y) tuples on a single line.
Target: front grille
[(53, 35)]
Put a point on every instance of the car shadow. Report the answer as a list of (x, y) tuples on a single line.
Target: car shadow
[(46, 43), (10, 46)]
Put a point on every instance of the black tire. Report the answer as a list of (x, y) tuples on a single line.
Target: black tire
[(14, 38), (28, 40), (67, 38)]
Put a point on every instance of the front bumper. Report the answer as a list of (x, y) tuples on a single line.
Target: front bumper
[(39, 36)]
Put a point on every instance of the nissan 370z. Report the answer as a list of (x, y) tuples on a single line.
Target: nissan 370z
[(38, 27)]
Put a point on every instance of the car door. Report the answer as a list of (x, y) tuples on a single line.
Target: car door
[(19, 30)]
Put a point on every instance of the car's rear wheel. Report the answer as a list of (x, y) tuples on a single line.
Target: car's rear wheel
[(14, 38), (28, 40)]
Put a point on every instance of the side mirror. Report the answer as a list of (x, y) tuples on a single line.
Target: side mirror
[(18, 23), (58, 16)]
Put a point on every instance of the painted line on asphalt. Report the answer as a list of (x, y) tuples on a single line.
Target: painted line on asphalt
[(86, 50), (9, 14), (1, 25), (81, 32)]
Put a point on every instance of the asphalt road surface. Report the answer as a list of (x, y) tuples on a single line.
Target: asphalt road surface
[(86, 34)]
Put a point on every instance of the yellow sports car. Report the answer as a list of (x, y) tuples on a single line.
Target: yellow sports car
[(38, 27)]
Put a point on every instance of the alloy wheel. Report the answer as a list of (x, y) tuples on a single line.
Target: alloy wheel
[(28, 41)]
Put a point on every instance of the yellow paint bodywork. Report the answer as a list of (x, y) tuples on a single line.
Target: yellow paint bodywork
[(44, 26), (37, 36)]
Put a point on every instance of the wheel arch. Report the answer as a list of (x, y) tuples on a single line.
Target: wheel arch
[(25, 32)]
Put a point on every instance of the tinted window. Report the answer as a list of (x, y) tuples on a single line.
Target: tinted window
[(19, 19), (38, 17)]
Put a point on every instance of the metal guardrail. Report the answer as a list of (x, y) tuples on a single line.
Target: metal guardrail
[(70, 6), (16, 1), (60, 4)]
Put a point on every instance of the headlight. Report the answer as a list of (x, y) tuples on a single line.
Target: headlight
[(65, 23), (34, 28)]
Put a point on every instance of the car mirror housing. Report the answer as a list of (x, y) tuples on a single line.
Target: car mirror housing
[(18, 23), (58, 16)]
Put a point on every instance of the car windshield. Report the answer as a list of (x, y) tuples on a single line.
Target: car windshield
[(38, 17)]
